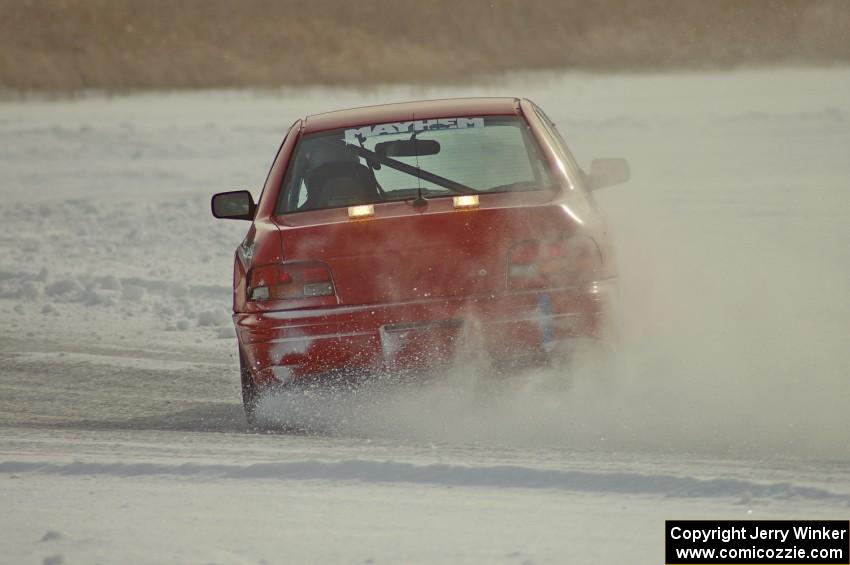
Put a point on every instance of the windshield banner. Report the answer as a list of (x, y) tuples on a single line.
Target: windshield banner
[(413, 126)]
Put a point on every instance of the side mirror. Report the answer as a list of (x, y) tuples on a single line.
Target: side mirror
[(234, 205), (608, 172)]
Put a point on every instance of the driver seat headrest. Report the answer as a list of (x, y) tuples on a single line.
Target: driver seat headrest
[(340, 183)]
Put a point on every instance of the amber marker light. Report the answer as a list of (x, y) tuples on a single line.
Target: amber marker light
[(360, 212), (466, 201)]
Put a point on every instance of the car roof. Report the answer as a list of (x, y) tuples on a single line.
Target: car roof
[(406, 111)]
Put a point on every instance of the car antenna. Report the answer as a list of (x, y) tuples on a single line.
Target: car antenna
[(420, 201)]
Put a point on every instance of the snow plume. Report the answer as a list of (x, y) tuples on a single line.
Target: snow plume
[(733, 339), (735, 335)]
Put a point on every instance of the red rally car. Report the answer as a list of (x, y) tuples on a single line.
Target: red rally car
[(392, 237)]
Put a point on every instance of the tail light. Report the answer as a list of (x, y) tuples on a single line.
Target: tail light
[(555, 262), (289, 280)]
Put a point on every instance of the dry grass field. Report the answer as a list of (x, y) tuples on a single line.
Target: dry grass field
[(68, 45)]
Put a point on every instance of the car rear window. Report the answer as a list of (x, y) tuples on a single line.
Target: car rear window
[(395, 161)]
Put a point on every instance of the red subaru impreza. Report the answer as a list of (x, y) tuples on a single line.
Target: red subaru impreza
[(393, 237)]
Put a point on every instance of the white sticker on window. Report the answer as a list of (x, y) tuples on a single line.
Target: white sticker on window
[(413, 126)]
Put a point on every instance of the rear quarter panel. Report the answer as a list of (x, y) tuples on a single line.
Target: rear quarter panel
[(262, 243)]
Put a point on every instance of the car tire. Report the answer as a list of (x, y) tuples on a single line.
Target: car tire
[(250, 393)]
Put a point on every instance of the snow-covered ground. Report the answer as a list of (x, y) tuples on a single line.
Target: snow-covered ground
[(121, 433)]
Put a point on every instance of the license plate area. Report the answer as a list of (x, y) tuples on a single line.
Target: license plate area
[(421, 344)]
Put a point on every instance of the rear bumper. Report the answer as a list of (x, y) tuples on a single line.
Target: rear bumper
[(294, 344)]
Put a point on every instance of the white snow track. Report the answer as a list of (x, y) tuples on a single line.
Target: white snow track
[(501, 476)]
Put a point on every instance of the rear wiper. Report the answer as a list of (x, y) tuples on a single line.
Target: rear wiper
[(411, 170)]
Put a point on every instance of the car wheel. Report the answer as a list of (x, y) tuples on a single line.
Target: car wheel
[(250, 393)]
